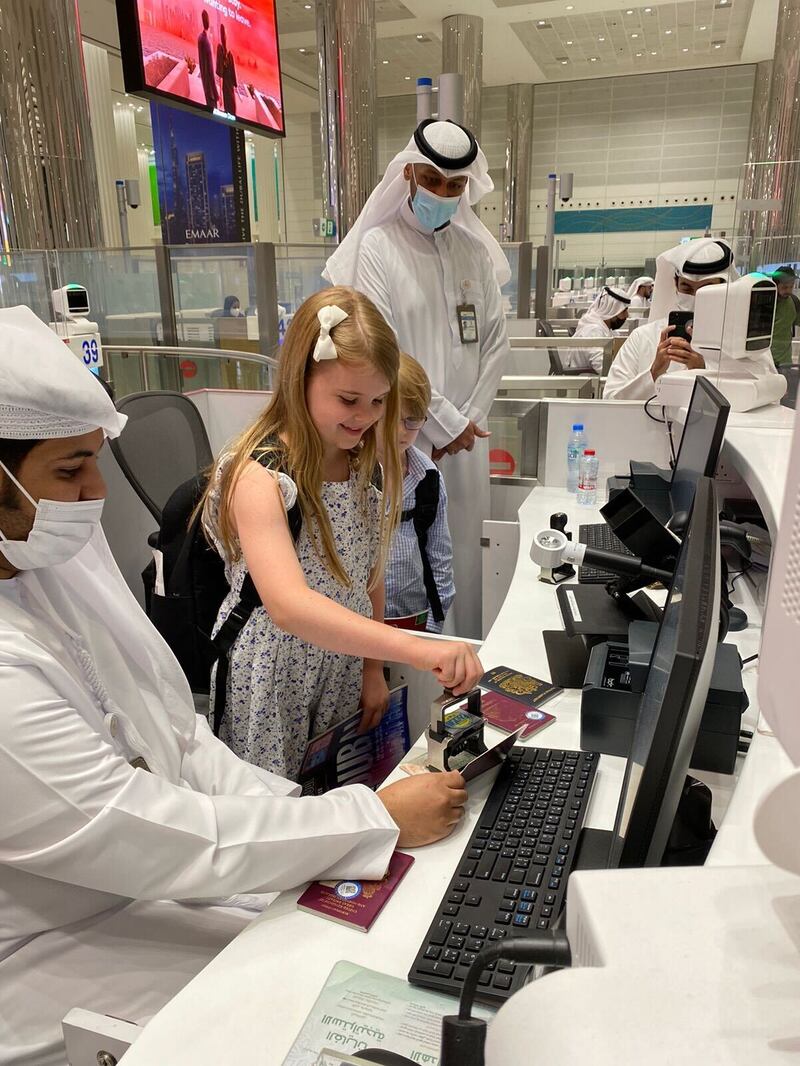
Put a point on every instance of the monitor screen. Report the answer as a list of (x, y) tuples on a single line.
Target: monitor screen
[(675, 694), (700, 445), (762, 311), (219, 58)]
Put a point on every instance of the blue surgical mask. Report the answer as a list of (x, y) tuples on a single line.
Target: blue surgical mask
[(434, 211)]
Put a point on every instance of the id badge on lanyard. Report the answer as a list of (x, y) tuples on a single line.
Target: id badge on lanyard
[(467, 316)]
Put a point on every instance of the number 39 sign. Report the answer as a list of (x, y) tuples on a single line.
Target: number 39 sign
[(88, 349)]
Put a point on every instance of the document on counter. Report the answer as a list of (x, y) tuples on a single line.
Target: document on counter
[(360, 1008)]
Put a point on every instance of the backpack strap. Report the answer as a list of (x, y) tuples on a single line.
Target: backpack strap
[(423, 515), (248, 601)]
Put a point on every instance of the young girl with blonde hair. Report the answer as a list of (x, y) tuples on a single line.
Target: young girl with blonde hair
[(314, 652)]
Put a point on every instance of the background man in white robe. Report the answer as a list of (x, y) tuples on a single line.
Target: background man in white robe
[(118, 804), (419, 251), (651, 351), (608, 312), (640, 293)]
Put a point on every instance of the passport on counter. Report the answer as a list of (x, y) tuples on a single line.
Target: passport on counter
[(355, 903), (510, 715), (532, 691)]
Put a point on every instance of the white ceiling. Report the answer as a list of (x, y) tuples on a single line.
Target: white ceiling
[(517, 48)]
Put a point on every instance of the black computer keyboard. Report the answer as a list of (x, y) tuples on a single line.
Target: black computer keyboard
[(599, 535), (512, 877)]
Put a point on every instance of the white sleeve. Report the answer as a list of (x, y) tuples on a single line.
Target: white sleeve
[(76, 811), (629, 376), (445, 421), (210, 766), (494, 347)]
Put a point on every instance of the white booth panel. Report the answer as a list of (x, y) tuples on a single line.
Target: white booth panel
[(226, 412), (618, 431)]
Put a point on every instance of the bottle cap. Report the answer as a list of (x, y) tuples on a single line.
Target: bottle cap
[(577, 426), (589, 451)]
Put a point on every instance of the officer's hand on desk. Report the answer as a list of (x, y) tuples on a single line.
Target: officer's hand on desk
[(453, 664), (675, 350), (425, 807)]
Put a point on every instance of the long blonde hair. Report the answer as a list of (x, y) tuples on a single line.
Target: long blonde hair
[(285, 427)]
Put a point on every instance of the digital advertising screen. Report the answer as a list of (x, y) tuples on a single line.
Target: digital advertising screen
[(217, 56)]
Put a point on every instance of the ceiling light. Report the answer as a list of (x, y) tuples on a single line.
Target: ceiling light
[(702, 27), (629, 11), (634, 35), (308, 6), (564, 62), (648, 10), (385, 62), (593, 59), (570, 7), (668, 32), (684, 49), (569, 42), (639, 55), (420, 36), (654, 53), (302, 51), (408, 77), (541, 22), (718, 46), (601, 38), (119, 104)]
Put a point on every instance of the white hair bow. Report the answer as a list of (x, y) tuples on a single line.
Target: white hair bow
[(329, 317)]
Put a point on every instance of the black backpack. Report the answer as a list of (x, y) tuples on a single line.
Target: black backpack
[(194, 587), (423, 515)]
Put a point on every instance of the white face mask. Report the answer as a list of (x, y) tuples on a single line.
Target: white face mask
[(684, 301), (59, 531)]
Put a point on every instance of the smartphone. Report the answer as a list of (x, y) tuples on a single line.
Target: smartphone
[(680, 320)]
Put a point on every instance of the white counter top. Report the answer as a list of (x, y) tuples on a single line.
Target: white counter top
[(261, 987)]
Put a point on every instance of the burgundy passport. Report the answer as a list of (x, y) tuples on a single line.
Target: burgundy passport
[(355, 903)]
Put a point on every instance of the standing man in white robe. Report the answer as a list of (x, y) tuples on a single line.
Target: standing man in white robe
[(608, 312), (119, 806), (419, 251), (651, 351)]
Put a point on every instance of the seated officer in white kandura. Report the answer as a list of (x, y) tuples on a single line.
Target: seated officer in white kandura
[(650, 350), (608, 312), (116, 799), (640, 293)]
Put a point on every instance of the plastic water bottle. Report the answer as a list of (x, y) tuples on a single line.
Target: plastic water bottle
[(575, 448), (587, 478)]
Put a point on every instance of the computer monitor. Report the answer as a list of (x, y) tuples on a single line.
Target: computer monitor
[(675, 693), (701, 443)]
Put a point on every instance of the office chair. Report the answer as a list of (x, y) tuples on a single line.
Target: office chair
[(164, 444), (557, 368)]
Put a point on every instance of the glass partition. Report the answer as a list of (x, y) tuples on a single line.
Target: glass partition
[(27, 278), (299, 271), (122, 286)]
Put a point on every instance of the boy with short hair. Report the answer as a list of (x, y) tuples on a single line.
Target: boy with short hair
[(419, 571)]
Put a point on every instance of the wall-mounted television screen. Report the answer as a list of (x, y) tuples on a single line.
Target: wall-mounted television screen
[(217, 56)]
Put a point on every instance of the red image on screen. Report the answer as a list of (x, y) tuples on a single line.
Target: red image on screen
[(221, 55)]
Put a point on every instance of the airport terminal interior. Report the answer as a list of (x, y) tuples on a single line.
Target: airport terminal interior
[(399, 532)]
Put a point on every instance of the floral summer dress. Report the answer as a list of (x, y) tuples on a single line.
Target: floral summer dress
[(282, 690)]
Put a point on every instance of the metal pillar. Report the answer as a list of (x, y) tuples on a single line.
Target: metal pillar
[(462, 53), (48, 182), (776, 228), (517, 181), (348, 98)]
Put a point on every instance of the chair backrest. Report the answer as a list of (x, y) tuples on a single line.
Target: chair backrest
[(544, 329), (164, 444)]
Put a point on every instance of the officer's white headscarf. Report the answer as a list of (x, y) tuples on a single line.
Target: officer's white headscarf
[(45, 391), (608, 304), (435, 144), (696, 260)]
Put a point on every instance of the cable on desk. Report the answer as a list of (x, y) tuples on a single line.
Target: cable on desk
[(736, 577), (663, 422), (749, 659)]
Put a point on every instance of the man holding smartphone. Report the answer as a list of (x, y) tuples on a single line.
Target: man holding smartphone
[(664, 344)]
